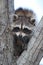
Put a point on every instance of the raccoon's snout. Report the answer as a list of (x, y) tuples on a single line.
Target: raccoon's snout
[(24, 39)]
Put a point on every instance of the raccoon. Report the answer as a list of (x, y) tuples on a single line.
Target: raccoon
[(22, 29)]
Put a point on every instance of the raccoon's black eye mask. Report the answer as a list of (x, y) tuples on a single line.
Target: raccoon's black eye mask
[(25, 30), (16, 29)]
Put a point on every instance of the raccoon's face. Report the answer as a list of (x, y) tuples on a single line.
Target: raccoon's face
[(22, 29), (22, 26)]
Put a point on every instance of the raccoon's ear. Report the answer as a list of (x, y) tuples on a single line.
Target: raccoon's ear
[(15, 17), (32, 21)]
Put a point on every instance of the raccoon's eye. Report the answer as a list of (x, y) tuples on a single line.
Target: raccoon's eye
[(27, 31), (16, 29)]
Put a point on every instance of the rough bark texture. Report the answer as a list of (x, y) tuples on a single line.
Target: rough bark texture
[(34, 51), (6, 46)]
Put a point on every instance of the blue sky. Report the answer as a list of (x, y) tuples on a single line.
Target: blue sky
[(35, 5)]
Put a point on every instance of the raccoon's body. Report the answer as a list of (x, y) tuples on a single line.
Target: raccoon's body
[(22, 29)]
